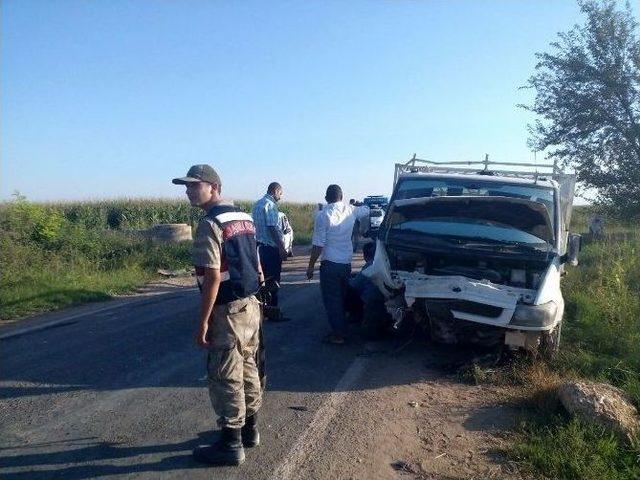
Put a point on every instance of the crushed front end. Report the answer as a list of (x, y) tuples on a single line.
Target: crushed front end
[(455, 270)]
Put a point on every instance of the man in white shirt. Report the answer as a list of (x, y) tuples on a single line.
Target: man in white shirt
[(332, 239)]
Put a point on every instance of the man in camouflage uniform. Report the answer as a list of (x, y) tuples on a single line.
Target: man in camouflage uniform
[(227, 266)]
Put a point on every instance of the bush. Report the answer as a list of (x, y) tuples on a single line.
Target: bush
[(602, 322), (58, 254)]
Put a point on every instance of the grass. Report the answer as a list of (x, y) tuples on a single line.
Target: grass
[(60, 254), (601, 341), (561, 448)]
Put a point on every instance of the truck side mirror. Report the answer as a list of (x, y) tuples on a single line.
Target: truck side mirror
[(574, 244)]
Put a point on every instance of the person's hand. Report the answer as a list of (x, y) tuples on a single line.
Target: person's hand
[(309, 273), (201, 335)]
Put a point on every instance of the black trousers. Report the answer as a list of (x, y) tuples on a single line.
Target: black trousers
[(271, 264)]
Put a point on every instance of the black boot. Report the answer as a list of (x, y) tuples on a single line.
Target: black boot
[(226, 451), (250, 434)]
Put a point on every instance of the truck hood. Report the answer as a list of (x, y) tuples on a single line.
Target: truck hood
[(526, 215)]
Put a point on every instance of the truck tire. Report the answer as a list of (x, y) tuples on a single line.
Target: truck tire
[(550, 343), (375, 319)]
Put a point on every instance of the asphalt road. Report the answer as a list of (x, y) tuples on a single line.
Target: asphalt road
[(118, 390)]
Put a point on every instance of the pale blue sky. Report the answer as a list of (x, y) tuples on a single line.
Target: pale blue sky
[(113, 98)]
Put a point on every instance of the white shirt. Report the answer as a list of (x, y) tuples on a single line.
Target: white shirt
[(332, 230)]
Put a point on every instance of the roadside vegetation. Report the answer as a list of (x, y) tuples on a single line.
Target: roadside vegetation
[(59, 254), (600, 341), (586, 90)]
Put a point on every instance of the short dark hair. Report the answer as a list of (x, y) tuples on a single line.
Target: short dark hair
[(334, 194), (369, 251), (273, 186)]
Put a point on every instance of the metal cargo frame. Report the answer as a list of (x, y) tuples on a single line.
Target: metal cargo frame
[(475, 167)]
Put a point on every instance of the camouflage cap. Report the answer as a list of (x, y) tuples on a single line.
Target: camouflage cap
[(199, 173)]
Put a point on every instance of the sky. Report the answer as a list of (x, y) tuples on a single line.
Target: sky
[(113, 98)]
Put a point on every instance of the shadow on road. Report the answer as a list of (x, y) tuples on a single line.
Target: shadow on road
[(94, 453)]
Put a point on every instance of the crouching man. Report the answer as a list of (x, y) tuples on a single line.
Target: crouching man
[(365, 302), (227, 266)]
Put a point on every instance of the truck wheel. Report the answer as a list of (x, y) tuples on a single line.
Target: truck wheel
[(550, 343)]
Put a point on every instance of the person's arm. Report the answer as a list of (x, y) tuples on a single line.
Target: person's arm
[(316, 250), (272, 220), (260, 272), (361, 211), (207, 254), (318, 241), (210, 286), (275, 235)]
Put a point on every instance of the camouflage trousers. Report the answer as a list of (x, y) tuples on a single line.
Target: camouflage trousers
[(234, 383)]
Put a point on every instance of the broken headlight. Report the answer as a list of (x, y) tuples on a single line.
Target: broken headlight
[(538, 316)]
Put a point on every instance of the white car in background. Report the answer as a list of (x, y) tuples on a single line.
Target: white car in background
[(377, 205), (376, 215), (286, 233)]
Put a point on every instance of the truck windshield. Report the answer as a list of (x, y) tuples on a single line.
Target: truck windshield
[(467, 228), (448, 187)]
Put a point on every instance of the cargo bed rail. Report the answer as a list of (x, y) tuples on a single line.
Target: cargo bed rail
[(479, 167)]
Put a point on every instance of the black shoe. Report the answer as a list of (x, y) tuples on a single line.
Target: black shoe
[(334, 339), (250, 433), (227, 451)]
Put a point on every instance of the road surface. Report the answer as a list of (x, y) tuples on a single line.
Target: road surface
[(117, 390)]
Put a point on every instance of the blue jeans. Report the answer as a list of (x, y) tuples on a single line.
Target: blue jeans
[(334, 281)]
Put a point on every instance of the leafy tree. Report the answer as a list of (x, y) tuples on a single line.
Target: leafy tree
[(588, 103)]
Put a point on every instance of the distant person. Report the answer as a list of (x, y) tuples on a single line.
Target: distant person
[(270, 241), (596, 226), (230, 316), (332, 240), (317, 211), (355, 234)]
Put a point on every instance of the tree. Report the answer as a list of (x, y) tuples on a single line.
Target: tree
[(588, 103)]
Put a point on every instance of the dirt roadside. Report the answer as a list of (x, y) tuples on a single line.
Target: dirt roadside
[(411, 416), (408, 418)]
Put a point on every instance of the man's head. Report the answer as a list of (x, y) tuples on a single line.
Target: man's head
[(203, 185), (275, 190), (334, 194)]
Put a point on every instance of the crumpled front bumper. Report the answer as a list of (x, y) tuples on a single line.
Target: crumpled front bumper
[(467, 296), (464, 298)]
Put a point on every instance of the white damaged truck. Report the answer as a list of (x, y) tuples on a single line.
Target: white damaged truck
[(476, 253)]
